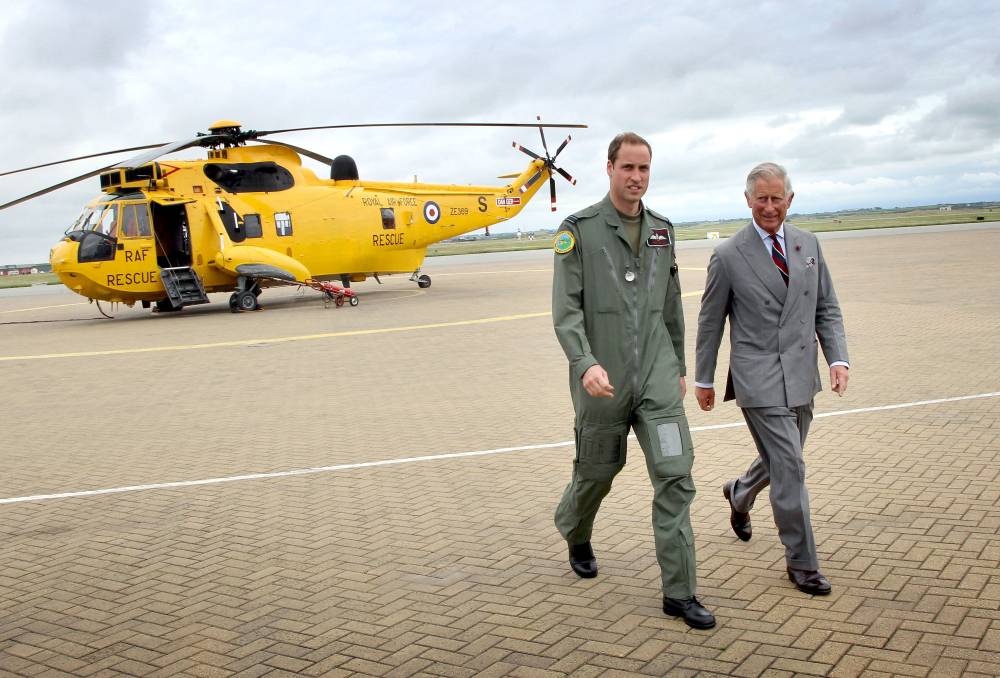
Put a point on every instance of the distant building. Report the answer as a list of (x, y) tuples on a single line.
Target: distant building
[(23, 270), (946, 208)]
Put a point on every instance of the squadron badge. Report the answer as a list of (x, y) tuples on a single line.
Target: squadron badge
[(563, 242)]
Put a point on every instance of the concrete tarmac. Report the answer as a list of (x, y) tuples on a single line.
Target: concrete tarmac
[(311, 490)]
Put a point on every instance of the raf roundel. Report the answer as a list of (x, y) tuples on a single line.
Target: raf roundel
[(564, 242), (431, 212)]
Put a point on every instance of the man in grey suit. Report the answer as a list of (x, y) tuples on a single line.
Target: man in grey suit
[(771, 282)]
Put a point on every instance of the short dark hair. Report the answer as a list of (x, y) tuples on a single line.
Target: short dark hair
[(626, 138)]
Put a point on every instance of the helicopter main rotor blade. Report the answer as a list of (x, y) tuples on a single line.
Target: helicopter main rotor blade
[(298, 149), (80, 157), (417, 124), (61, 184), (145, 158), (552, 191)]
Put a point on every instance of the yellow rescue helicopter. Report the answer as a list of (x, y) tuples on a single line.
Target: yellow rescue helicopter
[(168, 232)]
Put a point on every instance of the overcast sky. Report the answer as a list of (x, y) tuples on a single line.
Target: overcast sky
[(866, 103)]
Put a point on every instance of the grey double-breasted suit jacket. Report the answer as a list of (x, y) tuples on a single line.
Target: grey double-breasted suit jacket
[(773, 330)]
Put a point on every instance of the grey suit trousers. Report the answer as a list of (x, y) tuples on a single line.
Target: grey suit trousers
[(780, 434)]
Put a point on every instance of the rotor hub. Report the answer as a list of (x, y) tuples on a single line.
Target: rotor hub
[(225, 127)]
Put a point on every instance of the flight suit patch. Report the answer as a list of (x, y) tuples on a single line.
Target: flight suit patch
[(564, 242), (670, 439), (658, 237)]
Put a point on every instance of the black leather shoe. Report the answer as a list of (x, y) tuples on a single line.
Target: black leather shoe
[(810, 581), (694, 614), (740, 521), (582, 560)]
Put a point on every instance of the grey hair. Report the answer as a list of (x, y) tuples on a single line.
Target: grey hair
[(768, 170)]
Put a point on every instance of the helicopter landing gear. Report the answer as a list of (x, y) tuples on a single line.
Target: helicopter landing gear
[(245, 297), (166, 306), (243, 301), (423, 280)]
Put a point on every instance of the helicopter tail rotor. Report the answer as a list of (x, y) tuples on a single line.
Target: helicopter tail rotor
[(550, 164)]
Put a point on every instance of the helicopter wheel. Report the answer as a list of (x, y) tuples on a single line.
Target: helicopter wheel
[(243, 301), (354, 301), (424, 281)]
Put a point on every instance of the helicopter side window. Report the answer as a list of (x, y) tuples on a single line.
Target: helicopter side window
[(283, 223), (129, 225), (388, 218), (252, 177), (252, 227), (134, 221)]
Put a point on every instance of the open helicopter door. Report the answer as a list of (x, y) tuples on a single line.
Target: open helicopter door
[(172, 233)]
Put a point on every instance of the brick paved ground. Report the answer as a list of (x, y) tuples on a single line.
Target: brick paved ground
[(452, 567)]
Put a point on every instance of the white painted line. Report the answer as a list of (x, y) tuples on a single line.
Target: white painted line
[(437, 457)]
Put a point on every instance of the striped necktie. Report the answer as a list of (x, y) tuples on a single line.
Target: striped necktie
[(778, 257)]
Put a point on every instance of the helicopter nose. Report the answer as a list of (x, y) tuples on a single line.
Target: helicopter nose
[(61, 255)]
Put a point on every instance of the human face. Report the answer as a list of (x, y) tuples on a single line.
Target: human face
[(769, 203), (629, 176)]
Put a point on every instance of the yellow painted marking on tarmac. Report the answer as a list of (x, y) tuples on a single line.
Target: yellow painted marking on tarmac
[(277, 340), (285, 340), (39, 308)]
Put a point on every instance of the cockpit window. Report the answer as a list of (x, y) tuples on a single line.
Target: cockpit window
[(134, 221), (83, 222), (114, 219), (108, 224)]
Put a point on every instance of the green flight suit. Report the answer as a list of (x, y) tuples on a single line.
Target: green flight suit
[(622, 311)]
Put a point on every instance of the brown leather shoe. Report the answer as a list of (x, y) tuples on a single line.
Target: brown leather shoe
[(810, 581), (740, 521)]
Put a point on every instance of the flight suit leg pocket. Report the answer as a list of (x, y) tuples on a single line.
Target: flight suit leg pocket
[(601, 451), (673, 450)]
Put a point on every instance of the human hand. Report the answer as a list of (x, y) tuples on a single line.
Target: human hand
[(705, 396), (838, 379), (684, 388), (595, 381)]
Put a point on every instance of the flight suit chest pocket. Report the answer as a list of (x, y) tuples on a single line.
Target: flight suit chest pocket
[(600, 451), (674, 453), (604, 284)]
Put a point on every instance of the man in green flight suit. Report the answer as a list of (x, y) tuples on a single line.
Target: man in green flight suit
[(616, 307)]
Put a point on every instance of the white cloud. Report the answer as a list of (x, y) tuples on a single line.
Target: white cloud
[(866, 104)]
